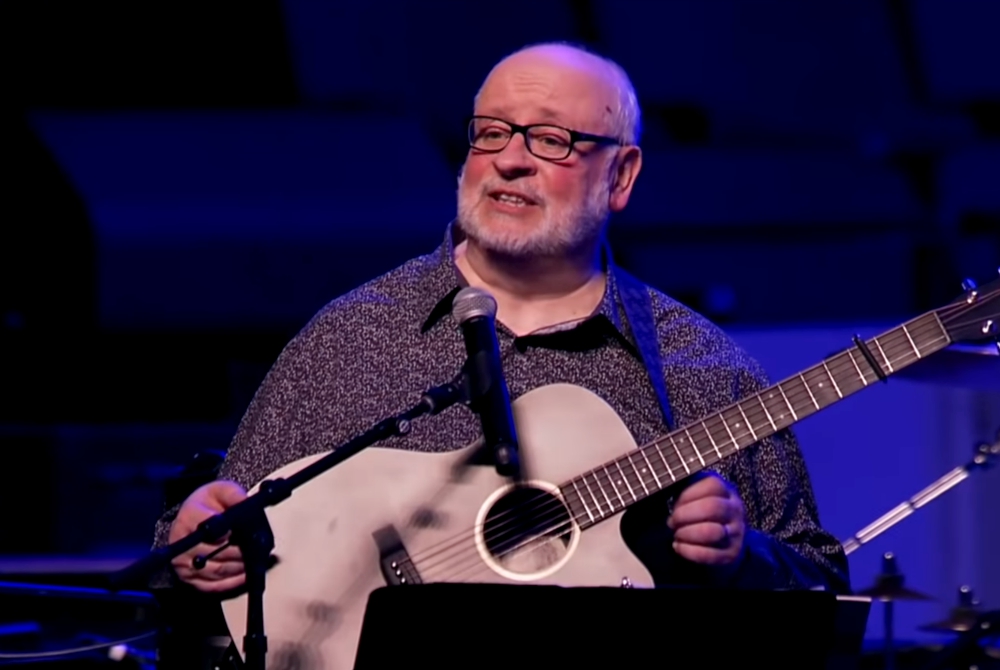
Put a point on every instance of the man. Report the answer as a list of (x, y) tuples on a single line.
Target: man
[(553, 150)]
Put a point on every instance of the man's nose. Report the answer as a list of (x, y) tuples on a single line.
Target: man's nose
[(515, 159)]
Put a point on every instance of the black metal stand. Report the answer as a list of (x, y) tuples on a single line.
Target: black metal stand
[(250, 531)]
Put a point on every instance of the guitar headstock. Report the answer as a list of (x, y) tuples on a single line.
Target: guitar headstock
[(975, 315)]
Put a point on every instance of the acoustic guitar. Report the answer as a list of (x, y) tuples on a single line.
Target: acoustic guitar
[(388, 516)]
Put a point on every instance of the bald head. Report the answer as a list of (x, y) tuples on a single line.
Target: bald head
[(610, 93)]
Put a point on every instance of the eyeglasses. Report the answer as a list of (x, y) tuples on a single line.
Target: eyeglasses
[(553, 143)]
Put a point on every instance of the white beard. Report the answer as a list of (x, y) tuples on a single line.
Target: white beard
[(558, 233)]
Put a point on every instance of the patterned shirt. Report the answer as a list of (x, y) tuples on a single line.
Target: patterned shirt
[(372, 352)]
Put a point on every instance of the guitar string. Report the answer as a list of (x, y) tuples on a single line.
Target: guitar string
[(559, 510), (557, 507), (455, 572)]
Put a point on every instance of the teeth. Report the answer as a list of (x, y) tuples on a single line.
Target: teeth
[(511, 199)]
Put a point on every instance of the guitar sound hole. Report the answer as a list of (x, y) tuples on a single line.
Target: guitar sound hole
[(527, 531)]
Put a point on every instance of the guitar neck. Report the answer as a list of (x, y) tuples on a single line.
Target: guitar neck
[(611, 488)]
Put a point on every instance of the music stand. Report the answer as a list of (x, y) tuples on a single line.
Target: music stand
[(506, 626)]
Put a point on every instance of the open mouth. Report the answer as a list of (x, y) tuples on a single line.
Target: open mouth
[(512, 199)]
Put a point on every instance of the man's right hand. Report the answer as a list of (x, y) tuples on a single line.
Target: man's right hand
[(224, 571)]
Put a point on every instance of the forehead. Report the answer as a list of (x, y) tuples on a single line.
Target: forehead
[(545, 88)]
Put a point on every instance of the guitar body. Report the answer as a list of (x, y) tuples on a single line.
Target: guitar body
[(450, 521)]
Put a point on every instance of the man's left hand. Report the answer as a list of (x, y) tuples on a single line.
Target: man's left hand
[(709, 523)]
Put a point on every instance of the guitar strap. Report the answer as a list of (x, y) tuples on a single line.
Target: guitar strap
[(638, 307)]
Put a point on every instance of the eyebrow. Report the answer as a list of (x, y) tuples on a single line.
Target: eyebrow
[(547, 114)]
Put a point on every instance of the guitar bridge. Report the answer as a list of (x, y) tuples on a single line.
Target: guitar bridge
[(394, 560)]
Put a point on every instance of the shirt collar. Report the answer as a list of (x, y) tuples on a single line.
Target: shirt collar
[(446, 280)]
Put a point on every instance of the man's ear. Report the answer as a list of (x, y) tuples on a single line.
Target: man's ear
[(626, 169)]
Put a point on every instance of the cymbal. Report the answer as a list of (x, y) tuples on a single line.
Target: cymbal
[(973, 366), (891, 591), (957, 622), (961, 617), (889, 583)]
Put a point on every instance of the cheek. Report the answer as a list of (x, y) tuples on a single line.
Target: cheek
[(473, 173), (564, 187)]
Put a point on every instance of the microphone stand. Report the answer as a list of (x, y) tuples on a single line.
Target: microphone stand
[(248, 526)]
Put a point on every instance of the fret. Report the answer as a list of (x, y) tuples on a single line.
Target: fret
[(683, 462), (652, 470), (823, 390), (898, 349), (790, 407), (809, 390), (848, 380), (778, 409), (711, 439), (767, 413), (670, 470), (611, 481), (576, 488), (860, 374), (694, 446), (725, 425), (638, 472), (906, 331), (603, 489), (832, 380), (597, 504), (618, 464), (739, 406), (939, 334), (722, 440), (888, 364)]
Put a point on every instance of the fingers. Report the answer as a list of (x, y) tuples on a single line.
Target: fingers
[(224, 570), (205, 502), (706, 534), (224, 494), (230, 554), (709, 543), (219, 586), (708, 522), (708, 487), (213, 570), (716, 510)]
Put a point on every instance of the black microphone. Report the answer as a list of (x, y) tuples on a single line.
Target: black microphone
[(475, 311)]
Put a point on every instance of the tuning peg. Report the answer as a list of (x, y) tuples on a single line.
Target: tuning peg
[(968, 284)]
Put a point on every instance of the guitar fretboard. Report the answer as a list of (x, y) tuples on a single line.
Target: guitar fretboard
[(611, 488)]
